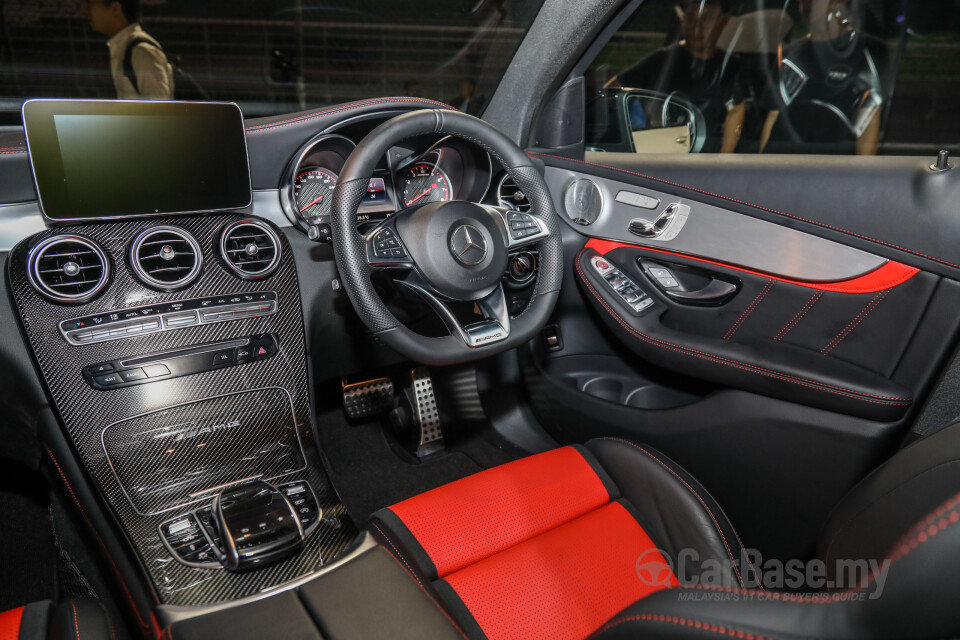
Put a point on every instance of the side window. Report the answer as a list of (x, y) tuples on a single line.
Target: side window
[(794, 76)]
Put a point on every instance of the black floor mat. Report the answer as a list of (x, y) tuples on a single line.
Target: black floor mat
[(369, 473), (28, 557)]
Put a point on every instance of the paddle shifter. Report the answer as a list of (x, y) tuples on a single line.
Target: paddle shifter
[(257, 525)]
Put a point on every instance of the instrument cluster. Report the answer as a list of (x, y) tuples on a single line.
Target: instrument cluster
[(424, 169)]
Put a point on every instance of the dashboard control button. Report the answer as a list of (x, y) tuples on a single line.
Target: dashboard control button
[(224, 357), (156, 370), (130, 375), (244, 354), (264, 346), (101, 368), (108, 379), (180, 319)]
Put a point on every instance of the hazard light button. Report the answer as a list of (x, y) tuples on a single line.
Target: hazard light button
[(263, 346)]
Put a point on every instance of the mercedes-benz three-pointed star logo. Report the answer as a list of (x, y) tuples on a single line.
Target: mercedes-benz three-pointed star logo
[(467, 245)]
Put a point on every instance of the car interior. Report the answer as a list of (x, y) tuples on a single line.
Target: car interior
[(589, 356)]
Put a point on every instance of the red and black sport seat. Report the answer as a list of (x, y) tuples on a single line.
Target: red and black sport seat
[(583, 541), (72, 619)]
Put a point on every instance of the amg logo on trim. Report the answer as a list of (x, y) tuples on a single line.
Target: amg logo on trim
[(499, 335), (190, 430)]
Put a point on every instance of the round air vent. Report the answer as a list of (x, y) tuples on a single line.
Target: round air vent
[(583, 201), (510, 196), (68, 269), (166, 258), (250, 248)]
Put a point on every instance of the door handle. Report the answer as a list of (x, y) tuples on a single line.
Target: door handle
[(688, 286), (713, 293)]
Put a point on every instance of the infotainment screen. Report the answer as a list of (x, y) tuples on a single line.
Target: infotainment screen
[(102, 159)]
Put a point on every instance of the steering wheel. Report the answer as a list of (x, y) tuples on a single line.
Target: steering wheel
[(451, 252)]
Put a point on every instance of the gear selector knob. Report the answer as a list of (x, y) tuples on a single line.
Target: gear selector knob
[(257, 525)]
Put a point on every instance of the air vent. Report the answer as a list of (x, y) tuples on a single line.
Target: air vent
[(509, 195), (166, 258), (68, 269), (250, 248)]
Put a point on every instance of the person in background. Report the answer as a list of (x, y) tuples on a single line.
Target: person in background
[(151, 77), (467, 100), (699, 70)]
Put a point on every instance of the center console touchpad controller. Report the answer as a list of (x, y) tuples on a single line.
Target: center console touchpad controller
[(257, 525)]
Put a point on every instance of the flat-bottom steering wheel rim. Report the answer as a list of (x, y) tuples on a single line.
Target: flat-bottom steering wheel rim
[(351, 248)]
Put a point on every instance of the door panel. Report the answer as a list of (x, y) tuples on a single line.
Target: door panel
[(896, 208), (802, 375)]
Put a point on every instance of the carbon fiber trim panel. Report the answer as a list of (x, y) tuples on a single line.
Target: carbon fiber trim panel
[(85, 411), (175, 457)]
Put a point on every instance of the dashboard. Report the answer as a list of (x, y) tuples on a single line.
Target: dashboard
[(178, 349)]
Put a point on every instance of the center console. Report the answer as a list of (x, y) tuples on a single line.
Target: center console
[(173, 350)]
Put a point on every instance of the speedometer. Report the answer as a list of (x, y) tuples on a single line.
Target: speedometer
[(424, 182), (313, 192)]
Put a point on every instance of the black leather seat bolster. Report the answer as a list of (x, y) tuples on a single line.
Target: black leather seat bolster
[(81, 618), (34, 620), (677, 513), (883, 505), (910, 594)]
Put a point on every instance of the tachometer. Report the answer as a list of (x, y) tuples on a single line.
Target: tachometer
[(313, 192), (424, 182)]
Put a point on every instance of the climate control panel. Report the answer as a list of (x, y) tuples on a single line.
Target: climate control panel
[(135, 321)]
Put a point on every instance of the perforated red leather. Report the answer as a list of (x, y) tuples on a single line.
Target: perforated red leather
[(10, 624), (566, 582), (473, 518)]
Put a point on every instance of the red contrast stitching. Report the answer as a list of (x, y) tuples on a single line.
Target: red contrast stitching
[(103, 546), (4, 153), (819, 386), (811, 303), (396, 552), (696, 495), (76, 623), (697, 624), (746, 312), (873, 304), (750, 204), (353, 105), (13, 148), (427, 593)]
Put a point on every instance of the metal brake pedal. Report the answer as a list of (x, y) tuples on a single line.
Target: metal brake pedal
[(367, 398), (426, 414)]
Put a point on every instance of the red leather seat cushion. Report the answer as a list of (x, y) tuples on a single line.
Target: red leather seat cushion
[(10, 624), (460, 523), (564, 583)]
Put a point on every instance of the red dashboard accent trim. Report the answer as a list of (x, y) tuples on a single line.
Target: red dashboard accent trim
[(884, 277)]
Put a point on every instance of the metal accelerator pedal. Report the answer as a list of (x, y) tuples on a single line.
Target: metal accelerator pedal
[(367, 398), (426, 414)]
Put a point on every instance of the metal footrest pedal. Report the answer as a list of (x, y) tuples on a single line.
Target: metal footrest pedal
[(426, 414), (367, 398)]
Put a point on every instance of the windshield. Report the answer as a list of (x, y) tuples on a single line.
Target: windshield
[(268, 57)]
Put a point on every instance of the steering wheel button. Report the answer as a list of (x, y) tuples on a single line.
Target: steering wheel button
[(397, 253)]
